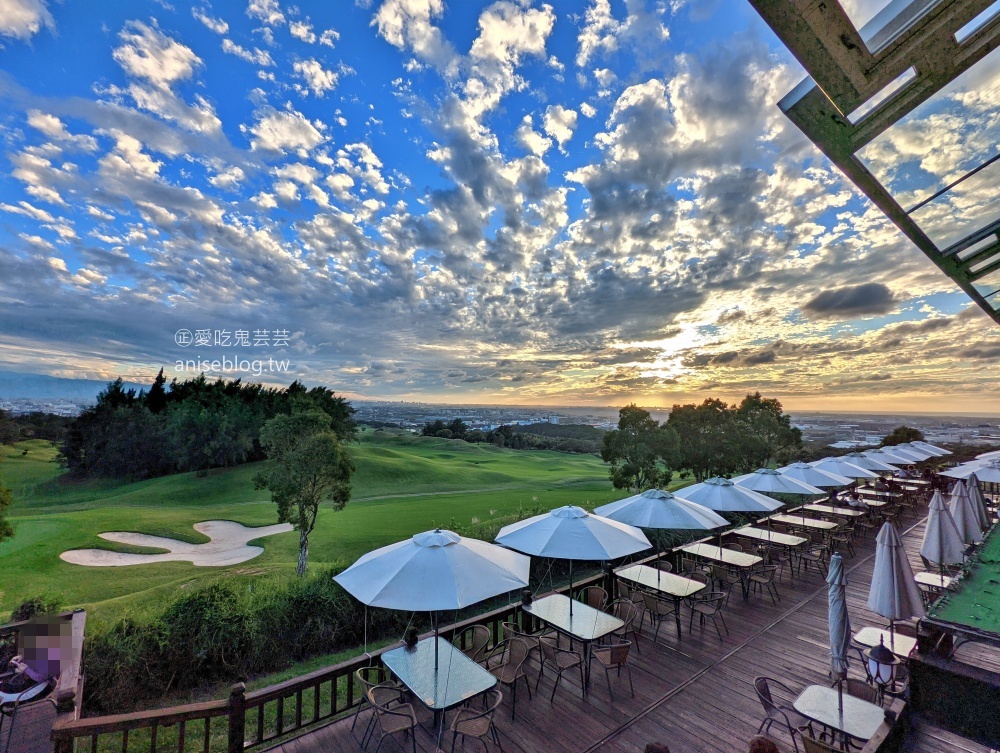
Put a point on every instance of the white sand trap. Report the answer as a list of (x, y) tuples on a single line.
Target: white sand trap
[(228, 546)]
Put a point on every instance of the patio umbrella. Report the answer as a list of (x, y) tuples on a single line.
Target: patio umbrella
[(893, 593), (840, 623), (814, 476), (991, 455), (723, 495), (961, 508), (654, 508), (942, 543), (434, 571), (978, 500), (886, 455), (869, 463), (770, 481), (571, 533), (843, 468), (938, 451), (988, 471), (908, 452)]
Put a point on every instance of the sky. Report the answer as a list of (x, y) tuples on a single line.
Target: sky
[(575, 203)]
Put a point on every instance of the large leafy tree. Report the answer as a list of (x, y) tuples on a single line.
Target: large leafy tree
[(762, 433), (308, 466), (901, 435), (706, 434), (642, 454)]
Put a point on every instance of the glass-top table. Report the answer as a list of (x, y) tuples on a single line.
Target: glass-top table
[(865, 491), (454, 680), (857, 719), (802, 521), (576, 620), (665, 584), (933, 580), (741, 561), (841, 512), (900, 645)]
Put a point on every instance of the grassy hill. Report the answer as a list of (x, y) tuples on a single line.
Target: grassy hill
[(404, 484)]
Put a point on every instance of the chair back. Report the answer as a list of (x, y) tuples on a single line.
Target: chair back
[(733, 547), (664, 566), (594, 596), (473, 641), (510, 630), (711, 602), (697, 575), (625, 610), (517, 651), (380, 696), (811, 745), (618, 654), (688, 564), (369, 677), (861, 689), (477, 724)]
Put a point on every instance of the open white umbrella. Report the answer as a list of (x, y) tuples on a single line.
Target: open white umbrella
[(893, 593), (839, 623), (918, 456), (434, 571), (988, 471), (814, 476), (937, 451), (978, 500), (991, 455), (961, 508), (843, 468), (654, 508), (942, 543), (571, 533), (770, 481), (886, 455), (723, 495), (915, 449), (869, 463)]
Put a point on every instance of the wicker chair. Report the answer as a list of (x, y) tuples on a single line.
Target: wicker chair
[(709, 605), (392, 719), (594, 596), (626, 611), (479, 724), (778, 710), (615, 657), (723, 579), (816, 554), (510, 654), (764, 579), (843, 537), (560, 659), (812, 745), (474, 642), (861, 689), (658, 609), (664, 566), (367, 678), (734, 547)]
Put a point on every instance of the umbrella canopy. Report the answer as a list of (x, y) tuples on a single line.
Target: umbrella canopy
[(572, 533), (869, 463), (434, 571), (886, 455), (988, 471), (723, 495), (814, 476), (905, 451), (843, 468), (659, 509), (943, 543), (991, 455), (928, 447), (770, 481), (961, 508), (840, 622), (893, 593), (978, 500)]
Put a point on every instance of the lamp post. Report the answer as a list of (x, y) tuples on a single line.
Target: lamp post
[(882, 665)]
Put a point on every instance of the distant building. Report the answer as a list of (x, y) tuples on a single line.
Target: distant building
[(553, 419)]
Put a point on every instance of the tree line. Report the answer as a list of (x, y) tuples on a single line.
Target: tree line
[(558, 437), (704, 440), (193, 425)]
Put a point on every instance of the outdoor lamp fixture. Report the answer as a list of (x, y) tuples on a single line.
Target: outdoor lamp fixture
[(882, 665)]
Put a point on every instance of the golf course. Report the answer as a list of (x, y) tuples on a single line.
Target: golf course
[(403, 484)]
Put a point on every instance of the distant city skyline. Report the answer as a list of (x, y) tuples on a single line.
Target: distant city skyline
[(507, 203)]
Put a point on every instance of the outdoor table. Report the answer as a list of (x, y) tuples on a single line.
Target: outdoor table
[(857, 719), (865, 491), (936, 581), (843, 512), (801, 521), (744, 563), (455, 680), (900, 645), (585, 624), (770, 537), (667, 584)]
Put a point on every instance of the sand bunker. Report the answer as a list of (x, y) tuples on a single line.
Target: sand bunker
[(228, 546)]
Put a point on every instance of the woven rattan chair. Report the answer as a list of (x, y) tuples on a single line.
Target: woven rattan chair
[(658, 610), (861, 689), (559, 659), (627, 611), (367, 678), (474, 642), (709, 605), (815, 554), (392, 717), (615, 657), (594, 596), (664, 566), (778, 710), (763, 579), (811, 745), (511, 656), (479, 724), (843, 538), (733, 547)]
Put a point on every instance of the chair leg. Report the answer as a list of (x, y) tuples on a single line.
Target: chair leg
[(513, 699)]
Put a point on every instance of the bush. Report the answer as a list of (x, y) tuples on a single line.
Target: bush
[(34, 606)]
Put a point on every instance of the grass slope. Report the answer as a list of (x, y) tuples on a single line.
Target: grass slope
[(404, 484)]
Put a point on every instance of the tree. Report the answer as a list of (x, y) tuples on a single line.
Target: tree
[(10, 432), (763, 432), (6, 500), (901, 435), (458, 428), (156, 398), (705, 433), (642, 454), (308, 465)]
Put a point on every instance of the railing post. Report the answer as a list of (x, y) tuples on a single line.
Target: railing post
[(237, 717)]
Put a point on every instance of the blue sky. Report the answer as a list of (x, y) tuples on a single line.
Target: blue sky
[(474, 202)]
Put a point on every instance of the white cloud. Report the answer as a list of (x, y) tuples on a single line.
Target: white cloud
[(302, 30), (407, 24), (317, 78), (531, 139), (52, 127), (27, 210), (280, 131), (560, 123), (257, 56), (599, 33), (329, 37), (228, 178), (22, 19), (267, 11), (215, 24), (128, 160), (298, 172), (588, 110)]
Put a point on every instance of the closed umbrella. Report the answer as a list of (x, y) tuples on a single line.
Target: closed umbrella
[(433, 571), (843, 468), (571, 533), (942, 543), (893, 593), (839, 622), (723, 495), (770, 481), (869, 463), (978, 500), (814, 476), (961, 509)]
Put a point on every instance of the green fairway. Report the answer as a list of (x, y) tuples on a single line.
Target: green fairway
[(404, 484)]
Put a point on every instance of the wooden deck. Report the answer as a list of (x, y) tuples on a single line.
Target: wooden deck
[(694, 694)]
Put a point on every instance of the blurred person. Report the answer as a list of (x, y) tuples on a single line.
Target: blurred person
[(761, 744)]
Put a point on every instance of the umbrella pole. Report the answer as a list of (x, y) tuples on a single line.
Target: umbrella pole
[(571, 588), (435, 621)]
